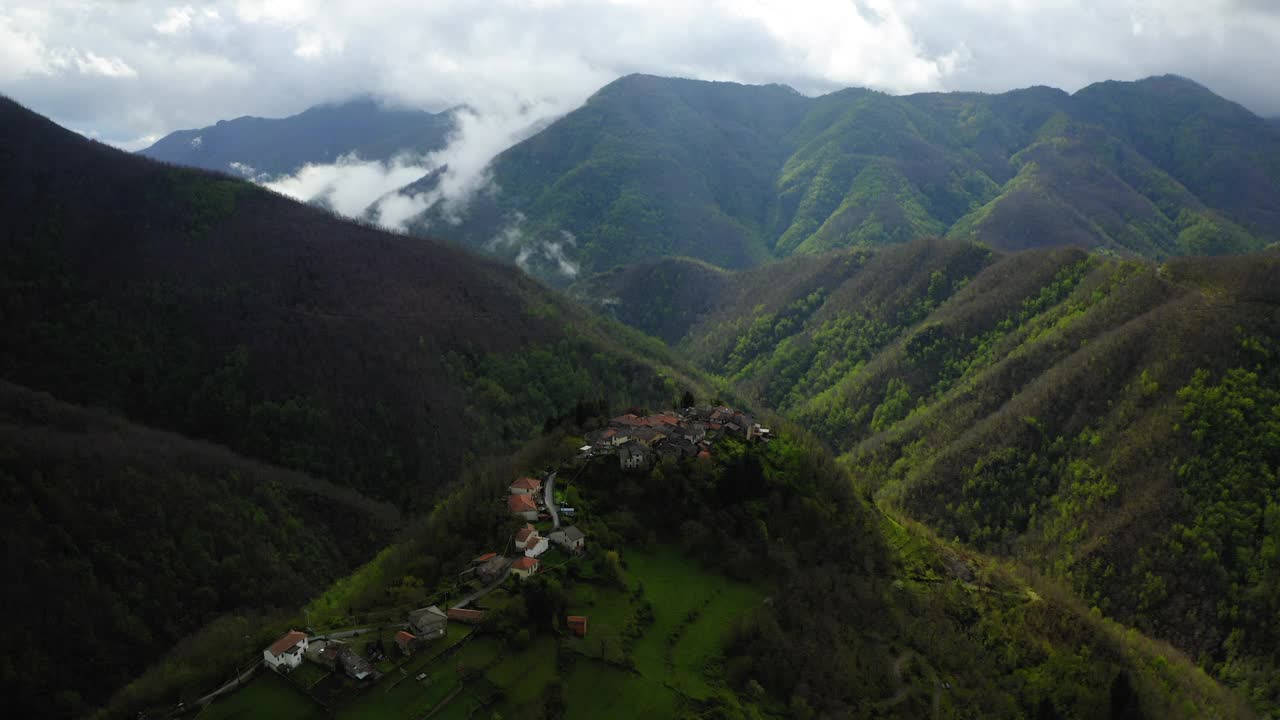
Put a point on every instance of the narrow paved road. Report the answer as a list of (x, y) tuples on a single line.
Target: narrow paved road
[(549, 499), (482, 591)]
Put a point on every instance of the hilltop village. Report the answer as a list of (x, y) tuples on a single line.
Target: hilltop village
[(541, 539)]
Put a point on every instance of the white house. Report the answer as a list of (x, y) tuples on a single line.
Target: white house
[(537, 545), (285, 654)]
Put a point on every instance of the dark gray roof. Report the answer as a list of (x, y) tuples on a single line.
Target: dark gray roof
[(573, 534)]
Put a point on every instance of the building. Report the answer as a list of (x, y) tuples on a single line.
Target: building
[(356, 667), (526, 486), (570, 538), (525, 566), (466, 616), (577, 624), (492, 569), (634, 456), (523, 506), (536, 546), (484, 558), (525, 536), (407, 642), (285, 654), (429, 622)]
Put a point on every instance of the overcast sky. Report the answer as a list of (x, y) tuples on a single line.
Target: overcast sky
[(128, 71)]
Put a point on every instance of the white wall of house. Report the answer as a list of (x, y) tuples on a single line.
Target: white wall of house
[(537, 548), (289, 660)]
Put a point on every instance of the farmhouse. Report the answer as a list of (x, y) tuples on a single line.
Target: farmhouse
[(428, 622), (523, 506), (286, 653), (570, 538), (525, 566), (526, 486)]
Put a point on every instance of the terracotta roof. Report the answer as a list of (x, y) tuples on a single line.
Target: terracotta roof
[(525, 563), (485, 557), (577, 618), (287, 643), (628, 419), (662, 419), (526, 483), (466, 615), (404, 638), (521, 503), (704, 454), (524, 533)]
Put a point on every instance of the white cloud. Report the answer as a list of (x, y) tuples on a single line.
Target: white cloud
[(193, 63), (176, 20), (351, 185)]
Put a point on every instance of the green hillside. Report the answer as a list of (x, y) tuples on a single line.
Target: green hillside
[(1110, 422), (184, 301), (754, 585), (737, 175)]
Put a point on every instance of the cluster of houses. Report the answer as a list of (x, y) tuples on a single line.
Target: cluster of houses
[(423, 625), (636, 440), (639, 441)]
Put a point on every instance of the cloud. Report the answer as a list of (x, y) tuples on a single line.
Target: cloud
[(350, 186), (127, 70)]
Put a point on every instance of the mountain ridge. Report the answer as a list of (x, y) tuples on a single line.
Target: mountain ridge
[(641, 169), (256, 147)]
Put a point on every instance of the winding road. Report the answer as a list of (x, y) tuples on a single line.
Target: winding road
[(549, 499)]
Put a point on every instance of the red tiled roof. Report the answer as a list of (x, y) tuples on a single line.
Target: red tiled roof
[(521, 503), (466, 615), (404, 638), (704, 454), (662, 419), (286, 643), (485, 557), (525, 533), (525, 563), (628, 419), (526, 483)]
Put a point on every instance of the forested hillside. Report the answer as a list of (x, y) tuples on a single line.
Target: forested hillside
[(735, 175), (254, 146), (193, 303), (1113, 422)]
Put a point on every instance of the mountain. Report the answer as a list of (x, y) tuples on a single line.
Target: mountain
[(1111, 422), (183, 301), (737, 175), (254, 146)]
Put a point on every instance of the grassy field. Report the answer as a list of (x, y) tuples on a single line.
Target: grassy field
[(596, 690), (266, 696), (692, 609), (677, 657)]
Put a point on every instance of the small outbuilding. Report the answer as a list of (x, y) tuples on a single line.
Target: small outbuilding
[(407, 642), (570, 538), (577, 625), (429, 622)]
